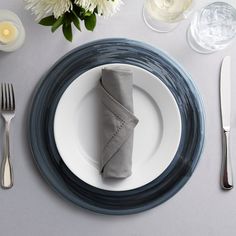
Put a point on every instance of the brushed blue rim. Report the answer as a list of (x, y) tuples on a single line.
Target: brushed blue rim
[(59, 77)]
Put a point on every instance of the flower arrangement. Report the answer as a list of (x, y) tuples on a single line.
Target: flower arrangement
[(65, 13)]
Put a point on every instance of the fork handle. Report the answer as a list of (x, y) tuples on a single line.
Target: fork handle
[(7, 173)]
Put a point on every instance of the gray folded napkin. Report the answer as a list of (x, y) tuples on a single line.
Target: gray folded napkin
[(118, 123)]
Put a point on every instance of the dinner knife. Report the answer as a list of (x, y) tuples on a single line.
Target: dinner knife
[(225, 100)]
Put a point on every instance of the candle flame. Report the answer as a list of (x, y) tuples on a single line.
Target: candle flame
[(6, 32)]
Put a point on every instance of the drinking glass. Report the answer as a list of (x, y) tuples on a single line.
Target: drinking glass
[(213, 27), (165, 15)]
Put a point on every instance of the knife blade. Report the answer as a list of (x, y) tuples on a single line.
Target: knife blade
[(225, 100)]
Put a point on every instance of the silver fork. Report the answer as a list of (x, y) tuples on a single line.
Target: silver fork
[(8, 112)]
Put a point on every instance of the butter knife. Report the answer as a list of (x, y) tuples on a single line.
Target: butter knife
[(225, 100)]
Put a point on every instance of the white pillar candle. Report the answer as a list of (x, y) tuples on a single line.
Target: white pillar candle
[(12, 33)]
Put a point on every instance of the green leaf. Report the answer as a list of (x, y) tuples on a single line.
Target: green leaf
[(77, 10), (90, 22), (67, 31), (48, 21), (58, 23), (81, 12), (96, 10), (68, 19), (75, 20), (87, 13), (75, 14)]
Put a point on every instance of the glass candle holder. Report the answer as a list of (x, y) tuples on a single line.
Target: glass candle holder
[(12, 33)]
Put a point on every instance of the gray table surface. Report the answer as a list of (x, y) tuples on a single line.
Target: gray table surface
[(32, 208)]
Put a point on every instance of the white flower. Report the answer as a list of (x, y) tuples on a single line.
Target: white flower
[(42, 8), (104, 7)]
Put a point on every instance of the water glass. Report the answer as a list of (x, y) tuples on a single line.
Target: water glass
[(165, 15), (213, 27)]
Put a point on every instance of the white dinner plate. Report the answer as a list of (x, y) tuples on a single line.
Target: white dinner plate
[(156, 137)]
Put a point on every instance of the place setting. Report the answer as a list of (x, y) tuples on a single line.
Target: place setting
[(117, 126)]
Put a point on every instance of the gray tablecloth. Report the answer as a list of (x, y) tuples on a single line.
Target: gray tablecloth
[(32, 208)]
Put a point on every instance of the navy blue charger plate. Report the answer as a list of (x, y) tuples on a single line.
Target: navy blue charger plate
[(56, 81)]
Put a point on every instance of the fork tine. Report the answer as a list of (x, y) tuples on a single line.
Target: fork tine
[(2, 97), (7, 97), (13, 98), (10, 97)]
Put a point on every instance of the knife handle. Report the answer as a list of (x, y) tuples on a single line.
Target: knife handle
[(226, 170)]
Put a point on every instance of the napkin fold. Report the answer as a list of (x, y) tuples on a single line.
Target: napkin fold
[(116, 87)]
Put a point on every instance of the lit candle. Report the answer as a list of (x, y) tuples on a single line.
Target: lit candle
[(8, 32), (12, 33)]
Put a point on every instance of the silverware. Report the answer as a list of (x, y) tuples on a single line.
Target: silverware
[(8, 112), (225, 98)]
